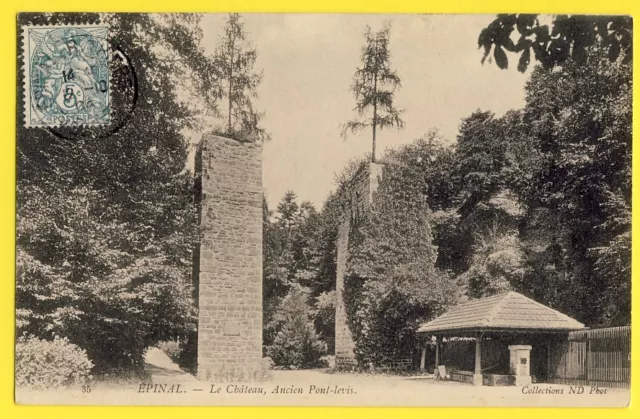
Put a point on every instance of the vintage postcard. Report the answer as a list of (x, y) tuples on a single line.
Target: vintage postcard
[(323, 210)]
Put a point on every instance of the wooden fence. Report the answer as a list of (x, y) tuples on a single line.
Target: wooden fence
[(593, 357)]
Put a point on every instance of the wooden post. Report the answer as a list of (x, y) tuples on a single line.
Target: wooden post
[(588, 351), (423, 357), (549, 337), (477, 374), (438, 340), (438, 355)]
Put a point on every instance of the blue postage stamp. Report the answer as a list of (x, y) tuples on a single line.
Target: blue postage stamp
[(66, 76)]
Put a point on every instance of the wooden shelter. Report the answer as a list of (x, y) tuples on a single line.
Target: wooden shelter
[(508, 321)]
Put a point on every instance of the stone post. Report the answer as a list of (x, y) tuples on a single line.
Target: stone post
[(423, 357), (520, 364), (229, 281)]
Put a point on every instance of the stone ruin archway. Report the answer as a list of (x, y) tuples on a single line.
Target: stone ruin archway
[(228, 260)]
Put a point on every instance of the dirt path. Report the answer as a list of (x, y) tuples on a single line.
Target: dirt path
[(163, 370), (172, 386)]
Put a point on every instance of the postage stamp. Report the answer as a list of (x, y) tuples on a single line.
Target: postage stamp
[(66, 76)]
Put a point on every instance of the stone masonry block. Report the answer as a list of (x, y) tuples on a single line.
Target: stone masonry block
[(230, 261)]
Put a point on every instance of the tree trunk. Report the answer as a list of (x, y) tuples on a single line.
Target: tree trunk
[(230, 75), (229, 128), (375, 116)]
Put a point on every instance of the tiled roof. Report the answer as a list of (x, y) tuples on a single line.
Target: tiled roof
[(509, 311)]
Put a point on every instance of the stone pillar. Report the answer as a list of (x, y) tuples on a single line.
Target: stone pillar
[(520, 364), (345, 357), (229, 280), (357, 197), (477, 374), (423, 357)]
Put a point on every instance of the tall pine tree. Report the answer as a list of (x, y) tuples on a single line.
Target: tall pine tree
[(235, 58), (374, 87)]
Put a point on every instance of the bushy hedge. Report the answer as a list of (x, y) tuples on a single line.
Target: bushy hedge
[(42, 364)]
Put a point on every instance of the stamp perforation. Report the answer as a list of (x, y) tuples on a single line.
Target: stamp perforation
[(72, 106)]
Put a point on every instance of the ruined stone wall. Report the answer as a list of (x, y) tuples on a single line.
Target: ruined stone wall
[(345, 357), (229, 280), (358, 196)]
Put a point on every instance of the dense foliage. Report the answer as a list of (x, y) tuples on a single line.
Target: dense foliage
[(537, 201), (46, 365), (299, 274), (579, 181), (296, 343), (569, 37), (392, 281), (542, 195), (106, 226)]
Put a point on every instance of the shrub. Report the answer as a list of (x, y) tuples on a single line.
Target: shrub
[(183, 351), (325, 319), (188, 358), (42, 364), (296, 344), (171, 348), (328, 361)]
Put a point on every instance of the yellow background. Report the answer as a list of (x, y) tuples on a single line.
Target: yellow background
[(7, 198)]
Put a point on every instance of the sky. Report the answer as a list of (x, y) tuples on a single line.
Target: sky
[(308, 62)]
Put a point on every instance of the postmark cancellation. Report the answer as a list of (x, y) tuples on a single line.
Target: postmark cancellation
[(66, 75)]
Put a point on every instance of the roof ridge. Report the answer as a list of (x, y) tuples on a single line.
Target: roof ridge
[(497, 306), (564, 316)]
